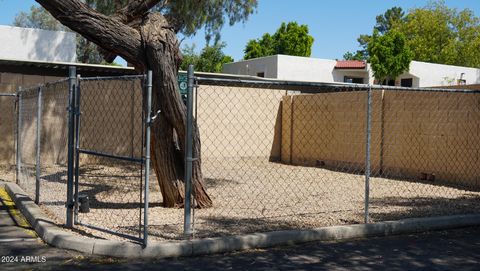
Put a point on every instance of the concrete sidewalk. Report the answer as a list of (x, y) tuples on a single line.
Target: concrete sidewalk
[(20, 247), (457, 249)]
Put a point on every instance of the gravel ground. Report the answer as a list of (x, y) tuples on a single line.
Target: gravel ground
[(251, 195)]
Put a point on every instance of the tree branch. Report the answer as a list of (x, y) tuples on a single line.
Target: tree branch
[(135, 10), (108, 33)]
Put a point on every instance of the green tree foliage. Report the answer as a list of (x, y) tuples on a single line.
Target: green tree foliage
[(210, 59), (389, 54), (391, 18), (289, 39), (352, 56), (384, 23), (190, 16), (440, 34), (38, 17), (435, 33)]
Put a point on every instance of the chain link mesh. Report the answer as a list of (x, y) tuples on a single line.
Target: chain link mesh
[(269, 158), (425, 154), (111, 135), (8, 132), (53, 149), (27, 141), (273, 156), (274, 159)]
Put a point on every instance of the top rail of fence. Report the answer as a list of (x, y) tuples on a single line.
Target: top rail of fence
[(45, 85), (8, 94), (327, 87), (123, 77)]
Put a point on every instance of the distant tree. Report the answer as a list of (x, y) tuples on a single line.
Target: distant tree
[(189, 57), (384, 22), (289, 39), (389, 55), (39, 18), (391, 18), (210, 59), (352, 56), (439, 34)]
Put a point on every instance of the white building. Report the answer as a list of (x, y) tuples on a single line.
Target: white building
[(420, 74), (35, 44)]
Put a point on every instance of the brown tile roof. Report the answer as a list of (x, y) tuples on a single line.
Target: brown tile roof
[(350, 64)]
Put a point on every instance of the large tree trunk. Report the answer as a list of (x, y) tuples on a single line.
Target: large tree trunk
[(151, 44)]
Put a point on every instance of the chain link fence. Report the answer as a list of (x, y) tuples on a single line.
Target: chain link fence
[(274, 155), (42, 145), (111, 151), (282, 155), (7, 132), (425, 153), (27, 140)]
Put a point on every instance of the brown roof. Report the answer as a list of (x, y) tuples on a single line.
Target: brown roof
[(350, 64)]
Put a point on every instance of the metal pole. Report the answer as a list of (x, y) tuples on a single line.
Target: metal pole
[(77, 147), (187, 227), (147, 155), (19, 131), (367, 156), (71, 144), (37, 162)]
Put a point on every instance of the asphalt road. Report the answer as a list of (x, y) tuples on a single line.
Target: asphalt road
[(441, 250)]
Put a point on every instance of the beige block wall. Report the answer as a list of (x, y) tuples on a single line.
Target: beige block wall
[(9, 83), (112, 117), (412, 133), (240, 121)]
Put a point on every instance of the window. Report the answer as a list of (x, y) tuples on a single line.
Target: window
[(260, 74), (407, 82), (388, 83), (354, 80)]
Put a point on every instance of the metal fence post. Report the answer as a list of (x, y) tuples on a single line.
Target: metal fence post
[(19, 125), (77, 147), (37, 158), (71, 144), (147, 155), (367, 153), (187, 227)]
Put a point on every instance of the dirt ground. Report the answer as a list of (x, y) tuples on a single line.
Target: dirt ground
[(250, 195)]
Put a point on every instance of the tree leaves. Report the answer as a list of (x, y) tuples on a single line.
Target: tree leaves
[(289, 39), (211, 58), (389, 54)]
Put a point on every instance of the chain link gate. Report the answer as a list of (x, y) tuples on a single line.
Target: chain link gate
[(111, 157)]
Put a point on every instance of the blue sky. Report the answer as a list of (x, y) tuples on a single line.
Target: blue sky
[(334, 24)]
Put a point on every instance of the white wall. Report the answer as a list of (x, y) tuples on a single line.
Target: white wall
[(267, 65), (296, 68), (305, 69), (431, 75), (35, 44)]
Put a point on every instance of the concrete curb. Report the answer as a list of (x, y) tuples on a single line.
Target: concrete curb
[(57, 237)]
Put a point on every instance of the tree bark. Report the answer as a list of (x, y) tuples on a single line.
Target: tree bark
[(148, 43)]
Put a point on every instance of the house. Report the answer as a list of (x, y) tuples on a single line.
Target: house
[(294, 68)]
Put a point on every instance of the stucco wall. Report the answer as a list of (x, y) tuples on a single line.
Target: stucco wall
[(267, 65), (412, 133), (430, 74), (323, 70), (36, 44), (305, 69), (239, 121)]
